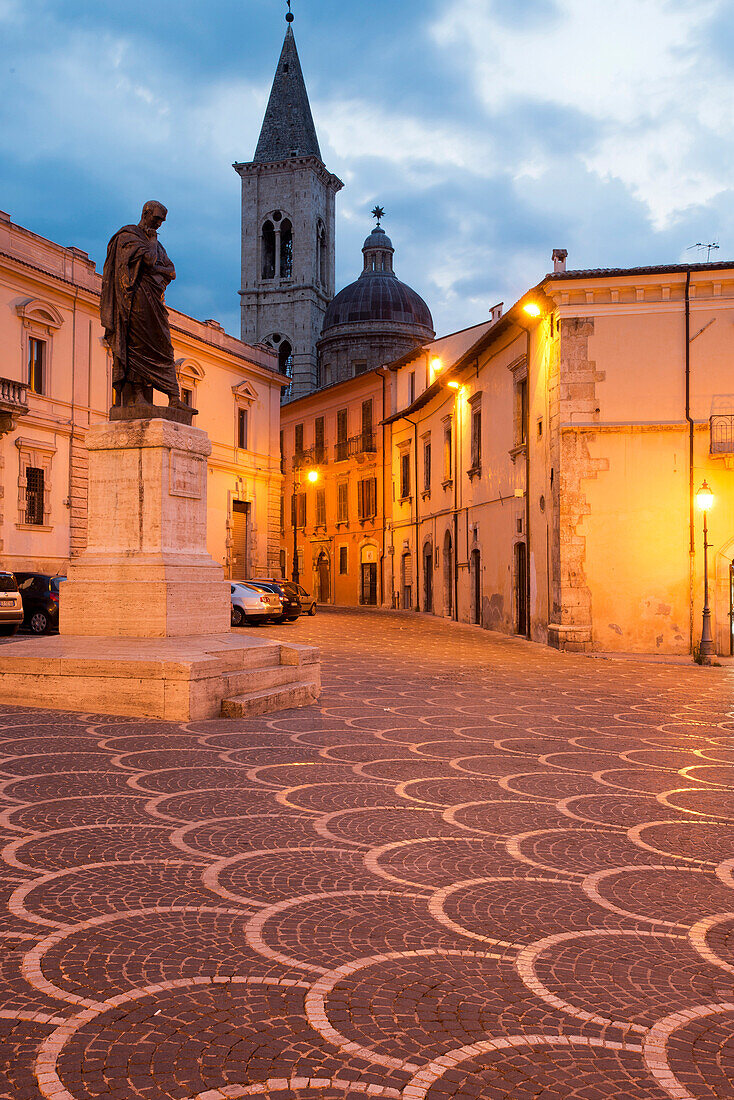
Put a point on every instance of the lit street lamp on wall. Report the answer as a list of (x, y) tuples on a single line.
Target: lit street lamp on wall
[(312, 476), (704, 501)]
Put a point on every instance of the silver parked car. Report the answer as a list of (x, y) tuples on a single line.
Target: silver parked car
[(251, 606), (11, 605)]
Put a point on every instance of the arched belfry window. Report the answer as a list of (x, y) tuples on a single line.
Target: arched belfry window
[(286, 250), (268, 251), (321, 252)]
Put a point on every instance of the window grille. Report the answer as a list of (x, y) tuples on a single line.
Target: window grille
[(34, 495)]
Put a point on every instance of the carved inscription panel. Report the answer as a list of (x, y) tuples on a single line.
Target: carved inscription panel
[(187, 475)]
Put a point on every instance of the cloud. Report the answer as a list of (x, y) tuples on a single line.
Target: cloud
[(643, 72)]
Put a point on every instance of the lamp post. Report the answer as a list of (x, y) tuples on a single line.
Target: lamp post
[(705, 500), (313, 477)]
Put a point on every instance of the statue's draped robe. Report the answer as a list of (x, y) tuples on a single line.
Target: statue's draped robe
[(133, 312)]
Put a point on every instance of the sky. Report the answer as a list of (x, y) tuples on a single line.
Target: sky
[(491, 131)]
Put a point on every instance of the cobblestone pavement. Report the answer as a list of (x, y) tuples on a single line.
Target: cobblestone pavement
[(478, 869)]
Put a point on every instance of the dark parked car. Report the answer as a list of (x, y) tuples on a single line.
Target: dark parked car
[(291, 599), (11, 606), (40, 595)]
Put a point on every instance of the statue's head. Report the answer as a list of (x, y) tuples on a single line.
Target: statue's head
[(153, 216)]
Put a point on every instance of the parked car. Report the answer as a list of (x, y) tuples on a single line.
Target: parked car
[(291, 600), (250, 605), (308, 602), (11, 605), (40, 595)]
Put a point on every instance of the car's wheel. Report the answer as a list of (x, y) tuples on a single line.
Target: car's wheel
[(39, 623), (7, 631), (237, 617), (312, 609)]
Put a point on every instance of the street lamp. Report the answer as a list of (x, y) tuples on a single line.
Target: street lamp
[(313, 477), (704, 501)]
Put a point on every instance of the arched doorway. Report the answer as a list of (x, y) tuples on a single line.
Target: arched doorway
[(368, 579), (448, 575), (323, 578), (428, 577), (406, 576), (476, 586)]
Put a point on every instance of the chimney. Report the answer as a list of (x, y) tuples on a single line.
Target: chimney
[(559, 259)]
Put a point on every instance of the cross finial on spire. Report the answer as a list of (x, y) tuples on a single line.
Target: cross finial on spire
[(378, 214), (290, 16)]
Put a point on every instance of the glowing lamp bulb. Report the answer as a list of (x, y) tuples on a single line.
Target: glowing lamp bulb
[(436, 366), (532, 309), (313, 475), (704, 498), (453, 384)]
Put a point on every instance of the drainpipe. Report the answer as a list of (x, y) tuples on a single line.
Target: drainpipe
[(416, 520), (689, 418), (457, 469), (527, 484)]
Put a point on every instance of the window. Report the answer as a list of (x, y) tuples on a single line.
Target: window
[(318, 440), (320, 508), (448, 452), (342, 446), (343, 560), (36, 364), (404, 475), (521, 411), (359, 367), (367, 498), (411, 387), (321, 252), (282, 513), (298, 510), (427, 466), (282, 563), (34, 484), (342, 502), (285, 359), (282, 455), (476, 438), (298, 445), (367, 424), (242, 429), (286, 250), (187, 396), (268, 251)]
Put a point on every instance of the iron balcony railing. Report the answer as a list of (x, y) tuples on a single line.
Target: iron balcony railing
[(13, 395), (721, 434), (364, 443), (314, 456)]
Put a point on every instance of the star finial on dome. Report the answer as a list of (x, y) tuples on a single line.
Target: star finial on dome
[(378, 214)]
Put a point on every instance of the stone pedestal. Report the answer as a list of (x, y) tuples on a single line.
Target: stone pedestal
[(145, 612), (146, 572)]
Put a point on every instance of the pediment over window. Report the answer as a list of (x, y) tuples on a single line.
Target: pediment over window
[(189, 368), (245, 392), (35, 311)]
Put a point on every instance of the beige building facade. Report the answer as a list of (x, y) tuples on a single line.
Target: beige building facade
[(545, 478), (55, 382), (336, 436)]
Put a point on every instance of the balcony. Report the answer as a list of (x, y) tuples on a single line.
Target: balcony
[(721, 436), (314, 456), (355, 447), (13, 403)]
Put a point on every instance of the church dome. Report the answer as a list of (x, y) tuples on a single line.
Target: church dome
[(378, 295)]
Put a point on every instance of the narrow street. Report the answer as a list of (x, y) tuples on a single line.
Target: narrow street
[(478, 869)]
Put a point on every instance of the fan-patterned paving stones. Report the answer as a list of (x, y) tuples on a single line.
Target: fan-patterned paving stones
[(477, 870)]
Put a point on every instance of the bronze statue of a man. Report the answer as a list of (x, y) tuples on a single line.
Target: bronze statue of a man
[(133, 311)]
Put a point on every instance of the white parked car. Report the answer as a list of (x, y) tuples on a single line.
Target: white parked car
[(250, 606)]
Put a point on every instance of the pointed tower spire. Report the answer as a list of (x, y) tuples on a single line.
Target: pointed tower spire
[(287, 129)]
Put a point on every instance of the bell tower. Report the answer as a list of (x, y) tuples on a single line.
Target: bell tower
[(288, 228)]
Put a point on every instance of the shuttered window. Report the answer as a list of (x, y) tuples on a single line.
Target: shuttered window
[(367, 497)]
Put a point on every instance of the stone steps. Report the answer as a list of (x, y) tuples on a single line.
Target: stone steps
[(262, 678), (298, 693)]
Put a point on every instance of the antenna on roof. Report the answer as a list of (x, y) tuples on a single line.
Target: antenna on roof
[(710, 247)]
